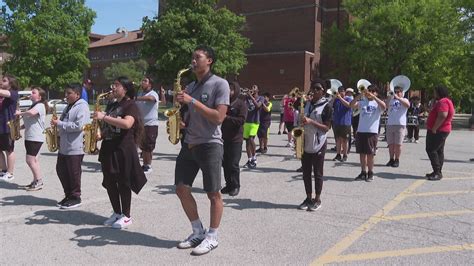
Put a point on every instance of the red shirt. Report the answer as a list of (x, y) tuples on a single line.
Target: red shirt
[(288, 115), (443, 105)]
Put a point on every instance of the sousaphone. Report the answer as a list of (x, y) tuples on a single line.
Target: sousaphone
[(335, 84), (400, 81), (362, 85)]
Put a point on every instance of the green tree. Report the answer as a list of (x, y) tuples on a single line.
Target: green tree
[(134, 70), (170, 40), (425, 40), (48, 40)]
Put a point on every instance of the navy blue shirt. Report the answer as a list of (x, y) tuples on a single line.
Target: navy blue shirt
[(8, 109)]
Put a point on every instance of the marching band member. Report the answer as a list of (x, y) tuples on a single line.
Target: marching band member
[(8, 103), (122, 130), (207, 100), (438, 127), (147, 102), (342, 117), (71, 146), (252, 123), (289, 117), (317, 122), (415, 110), (371, 108), (34, 126), (396, 123), (265, 123), (232, 134)]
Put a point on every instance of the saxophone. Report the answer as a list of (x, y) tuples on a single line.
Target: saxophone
[(173, 114), (298, 132), (92, 130), (14, 125), (52, 134)]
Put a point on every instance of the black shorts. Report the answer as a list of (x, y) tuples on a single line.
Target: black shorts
[(32, 147), (149, 142), (342, 131), (6, 143), (262, 131), (281, 117), (207, 157), (366, 143), (289, 126)]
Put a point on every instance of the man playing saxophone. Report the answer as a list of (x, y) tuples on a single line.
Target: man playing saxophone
[(207, 99), (8, 102), (317, 122)]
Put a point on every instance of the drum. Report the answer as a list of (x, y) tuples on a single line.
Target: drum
[(383, 120), (412, 120)]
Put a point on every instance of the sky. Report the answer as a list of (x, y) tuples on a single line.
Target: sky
[(113, 14)]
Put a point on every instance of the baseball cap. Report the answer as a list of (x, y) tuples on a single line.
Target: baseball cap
[(350, 90)]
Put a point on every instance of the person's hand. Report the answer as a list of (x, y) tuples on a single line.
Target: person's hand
[(369, 94), (182, 125), (54, 122), (306, 120), (434, 130), (18, 112), (183, 97), (99, 115)]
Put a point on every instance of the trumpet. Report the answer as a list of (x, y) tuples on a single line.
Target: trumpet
[(247, 91)]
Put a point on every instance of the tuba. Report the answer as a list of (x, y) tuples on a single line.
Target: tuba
[(92, 130), (298, 132), (174, 115), (399, 81), (14, 125), (52, 134)]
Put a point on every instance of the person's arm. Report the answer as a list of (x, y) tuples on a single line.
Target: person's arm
[(381, 103), (5, 93), (267, 107), (123, 123), (82, 117), (239, 120), (29, 113), (147, 98), (215, 116), (326, 117), (405, 102), (343, 101), (355, 102)]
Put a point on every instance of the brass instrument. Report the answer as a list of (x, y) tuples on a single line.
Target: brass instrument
[(362, 85), (247, 91), (298, 132), (14, 125), (92, 130), (399, 81), (174, 115), (52, 134), (334, 90), (279, 96)]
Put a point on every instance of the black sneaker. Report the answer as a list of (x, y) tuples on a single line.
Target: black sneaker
[(247, 164), (285, 132), (337, 158), (234, 192), (390, 163), (436, 177), (314, 205), (370, 177), (279, 132), (396, 163), (72, 202), (225, 190), (264, 150), (253, 164), (300, 170), (344, 158), (259, 150), (304, 205), (430, 174), (361, 176), (60, 203)]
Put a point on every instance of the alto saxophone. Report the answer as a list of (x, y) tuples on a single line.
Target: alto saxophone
[(14, 125), (298, 132), (173, 114), (92, 130), (52, 134)]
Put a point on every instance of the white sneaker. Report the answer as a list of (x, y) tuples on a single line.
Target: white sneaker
[(416, 141), (208, 244), (122, 222), (192, 241), (7, 177), (112, 219)]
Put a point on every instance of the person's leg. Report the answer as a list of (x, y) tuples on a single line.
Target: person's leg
[(363, 162), (62, 172), (344, 146), (10, 161), (33, 163), (3, 162), (147, 156), (235, 155), (307, 167), (227, 165), (417, 132), (74, 163), (433, 143), (318, 166), (248, 148), (252, 146), (114, 198), (397, 151), (187, 202), (370, 162), (444, 136), (338, 145), (410, 129), (217, 208), (125, 198)]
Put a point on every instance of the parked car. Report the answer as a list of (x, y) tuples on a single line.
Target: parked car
[(24, 98), (60, 105)]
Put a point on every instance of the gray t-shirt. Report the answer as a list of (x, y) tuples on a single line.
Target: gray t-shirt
[(149, 109), (34, 125), (212, 92)]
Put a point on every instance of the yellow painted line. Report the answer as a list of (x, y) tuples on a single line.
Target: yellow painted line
[(403, 252), (332, 253), (426, 215), (427, 194)]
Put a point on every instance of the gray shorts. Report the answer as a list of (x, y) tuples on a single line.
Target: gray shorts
[(207, 157), (395, 134)]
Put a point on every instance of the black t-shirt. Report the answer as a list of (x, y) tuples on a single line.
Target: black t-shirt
[(124, 108)]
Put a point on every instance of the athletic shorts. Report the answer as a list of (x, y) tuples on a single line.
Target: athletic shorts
[(263, 130), (250, 130), (342, 131), (289, 126), (32, 147), (281, 117), (366, 143), (149, 142), (395, 134), (6, 143), (206, 157)]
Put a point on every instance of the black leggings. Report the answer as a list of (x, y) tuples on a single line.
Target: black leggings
[(120, 194), (313, 162), (435, 149)]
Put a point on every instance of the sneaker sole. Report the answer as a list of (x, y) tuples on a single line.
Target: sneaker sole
[(199, 254), (71, 207), (34, 189), (312, 210)]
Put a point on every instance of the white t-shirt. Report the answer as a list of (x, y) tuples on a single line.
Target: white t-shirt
[(149, 109), (369, 119), (34, 125), (397, 113)]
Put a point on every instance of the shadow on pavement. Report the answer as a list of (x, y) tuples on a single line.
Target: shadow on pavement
[(26, 200), (242, 204), (8, 185), (261, 169), (73, 217), (92, 166), (164, 156), (299, 178), (171, 190), (101, 236), (469, 161), (396, 176)]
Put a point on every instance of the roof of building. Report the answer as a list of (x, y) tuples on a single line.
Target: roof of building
[(116, 38)]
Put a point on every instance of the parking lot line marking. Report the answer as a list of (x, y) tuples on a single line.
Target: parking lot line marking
[(436, 193), (426, 215), (403, 252), (457, 178), (332, 253)]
